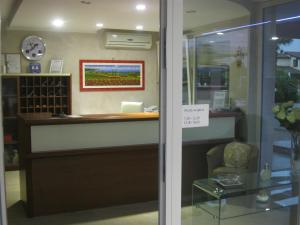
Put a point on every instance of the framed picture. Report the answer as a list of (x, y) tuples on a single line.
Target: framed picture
[(13, 63), (56, 66), (219, 101), (108, 75)]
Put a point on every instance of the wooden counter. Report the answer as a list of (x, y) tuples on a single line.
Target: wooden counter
[(47, 119), (70, 164)]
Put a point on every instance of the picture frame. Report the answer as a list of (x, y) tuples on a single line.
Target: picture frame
[(219, 99), (56, 66), (13, 62), (111, 75)]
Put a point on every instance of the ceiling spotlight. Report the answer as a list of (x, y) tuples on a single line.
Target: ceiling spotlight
[(58, 22), (85, 2), (114, 35), (191, 11), (140, 7), (99, 25), (274, 38), (139, 27), (220, 33)]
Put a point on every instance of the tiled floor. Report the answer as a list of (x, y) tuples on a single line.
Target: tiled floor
[(139, 214)]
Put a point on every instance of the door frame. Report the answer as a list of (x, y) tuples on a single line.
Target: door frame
[(3, 216), (170, 112)]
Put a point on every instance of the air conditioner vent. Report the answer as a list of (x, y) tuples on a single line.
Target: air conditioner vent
[(128, 40)]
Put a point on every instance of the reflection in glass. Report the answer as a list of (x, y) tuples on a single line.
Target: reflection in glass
[(215, 65), (281, 78), (238, 62)]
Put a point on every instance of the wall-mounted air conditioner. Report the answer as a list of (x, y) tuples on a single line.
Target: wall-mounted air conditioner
[(128, 40)]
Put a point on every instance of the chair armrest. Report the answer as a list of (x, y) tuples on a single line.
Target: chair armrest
[(215, 158)]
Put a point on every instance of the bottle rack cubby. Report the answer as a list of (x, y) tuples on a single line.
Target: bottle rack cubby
[(45, 94)]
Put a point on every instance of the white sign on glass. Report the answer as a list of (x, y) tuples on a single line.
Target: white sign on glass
[(195, 115)]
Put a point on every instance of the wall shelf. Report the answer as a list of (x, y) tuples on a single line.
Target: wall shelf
[(11, 167), (9, 117), (11, 143), (35, 74)]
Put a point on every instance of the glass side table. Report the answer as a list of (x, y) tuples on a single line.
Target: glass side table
[(215, 205)]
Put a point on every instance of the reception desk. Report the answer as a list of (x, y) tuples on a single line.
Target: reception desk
[(75, 163)]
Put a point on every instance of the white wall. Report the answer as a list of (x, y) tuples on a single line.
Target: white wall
[(283, 62), (71, 47)]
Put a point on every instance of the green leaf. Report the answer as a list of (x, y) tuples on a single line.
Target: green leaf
[(276, 109), (296, 113), (287, 104), (281, 115), (291, 117)]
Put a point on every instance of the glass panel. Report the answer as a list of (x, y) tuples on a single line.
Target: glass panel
[(281, 78), (101, 64), (240, 64)]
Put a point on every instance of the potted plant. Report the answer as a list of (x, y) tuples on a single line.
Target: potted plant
[(289, 117)]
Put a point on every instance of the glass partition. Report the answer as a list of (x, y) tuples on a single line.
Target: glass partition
[(280, 79), (99, 79), (240, 60)]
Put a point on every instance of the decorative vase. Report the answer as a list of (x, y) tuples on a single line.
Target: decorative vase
[(266, 173), (295, 153)]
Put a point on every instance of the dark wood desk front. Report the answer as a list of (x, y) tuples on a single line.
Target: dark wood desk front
[(64, 179)]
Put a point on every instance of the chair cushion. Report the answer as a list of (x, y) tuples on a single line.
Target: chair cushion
[(236, 155), (228, 170)]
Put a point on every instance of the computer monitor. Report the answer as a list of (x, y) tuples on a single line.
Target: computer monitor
[(132, 107)]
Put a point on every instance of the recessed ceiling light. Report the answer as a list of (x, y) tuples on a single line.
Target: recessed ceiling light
[(274, 38), (220, 33), (114, 35), (139, 27), (140, 7), (191, 11), (58, 22), (85, 2), (99, 25), (211, 42)]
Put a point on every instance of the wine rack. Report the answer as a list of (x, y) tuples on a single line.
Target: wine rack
[(45, 94)]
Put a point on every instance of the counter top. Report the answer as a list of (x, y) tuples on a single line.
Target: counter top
[(47, 119)]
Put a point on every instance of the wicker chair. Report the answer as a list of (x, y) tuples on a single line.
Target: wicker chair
[(217, 166)]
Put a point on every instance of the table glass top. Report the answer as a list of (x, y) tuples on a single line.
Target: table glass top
[(250, 182)]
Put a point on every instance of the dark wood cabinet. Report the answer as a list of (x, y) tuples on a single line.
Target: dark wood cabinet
[(30, 93), (10, 110)]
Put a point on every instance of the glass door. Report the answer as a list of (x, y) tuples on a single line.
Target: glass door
[(217, 57), (280, 80), (228, 53)]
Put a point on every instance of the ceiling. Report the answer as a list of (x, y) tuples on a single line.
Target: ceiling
[(6, 6), (114, 14), (78, 17), (199, 12)]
